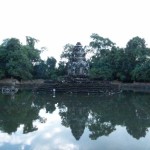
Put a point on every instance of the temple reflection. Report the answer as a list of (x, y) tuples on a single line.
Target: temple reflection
[(75, 116), (100, 114)]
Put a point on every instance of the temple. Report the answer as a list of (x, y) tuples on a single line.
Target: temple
[(77, 65), (78, 81)]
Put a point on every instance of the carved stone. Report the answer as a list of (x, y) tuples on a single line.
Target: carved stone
[(77, 65)]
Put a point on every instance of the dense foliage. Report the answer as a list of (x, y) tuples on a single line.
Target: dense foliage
[(23, 61), (124, 64), (107, 61), (16, 59)]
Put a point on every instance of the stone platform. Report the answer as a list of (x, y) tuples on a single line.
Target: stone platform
[(68, 85), (79, 86)]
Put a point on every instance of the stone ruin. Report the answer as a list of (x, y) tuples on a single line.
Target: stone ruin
[(77, 65), (78, 80)]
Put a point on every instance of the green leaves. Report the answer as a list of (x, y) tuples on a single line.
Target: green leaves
[(45, 69), (99, 43), (16, 59), (125, 64), (31, 41), (142, 72), (136, 43), (67, 51), (101, 62), (107, 61)]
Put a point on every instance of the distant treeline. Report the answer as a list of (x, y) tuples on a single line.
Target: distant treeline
[(107, 61)]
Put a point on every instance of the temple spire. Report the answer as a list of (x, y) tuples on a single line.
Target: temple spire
[(77, 65)]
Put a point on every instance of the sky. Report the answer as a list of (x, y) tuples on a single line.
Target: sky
[(58, 22)]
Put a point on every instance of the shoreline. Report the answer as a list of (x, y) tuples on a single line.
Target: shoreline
[(91, 86)]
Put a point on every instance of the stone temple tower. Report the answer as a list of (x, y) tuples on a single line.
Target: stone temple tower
[(77, 65)]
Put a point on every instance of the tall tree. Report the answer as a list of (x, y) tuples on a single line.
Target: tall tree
[(67, 52), (100, 45), (17, 60), (32, 53), (100, 62), (51, 67), (136, 53)]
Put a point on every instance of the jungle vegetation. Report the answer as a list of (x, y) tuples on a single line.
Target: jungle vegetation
[(107, 61)]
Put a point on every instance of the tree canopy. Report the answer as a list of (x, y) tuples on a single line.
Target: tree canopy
[(108, 62), (124, 64)]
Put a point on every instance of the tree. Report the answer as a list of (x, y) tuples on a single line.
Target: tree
[(136, 53), (99, 44), (17, 60), (2, 61), (31, 41), (32, 53), (51, 67), (40, 70), (100, 68), (116, 59), (66, 55), (67, 52), (45, 69), (142, 72), (62, 68), (51, 63), (100, 63)]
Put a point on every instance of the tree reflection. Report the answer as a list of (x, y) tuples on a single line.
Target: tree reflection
[(14, 112), (139, 121), (23, 109), (44, 100), (102, 114)]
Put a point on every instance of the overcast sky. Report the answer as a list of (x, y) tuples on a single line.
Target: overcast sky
[(58, 22)]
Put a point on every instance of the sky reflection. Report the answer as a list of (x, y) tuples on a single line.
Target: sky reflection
[(52, 135)]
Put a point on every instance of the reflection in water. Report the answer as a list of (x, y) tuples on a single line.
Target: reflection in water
[(99, 114), (102, 114), (74, 113)]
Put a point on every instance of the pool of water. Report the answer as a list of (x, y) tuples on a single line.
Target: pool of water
[(40, 121)]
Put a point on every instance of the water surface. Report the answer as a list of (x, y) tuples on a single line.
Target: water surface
[(39, 121)]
